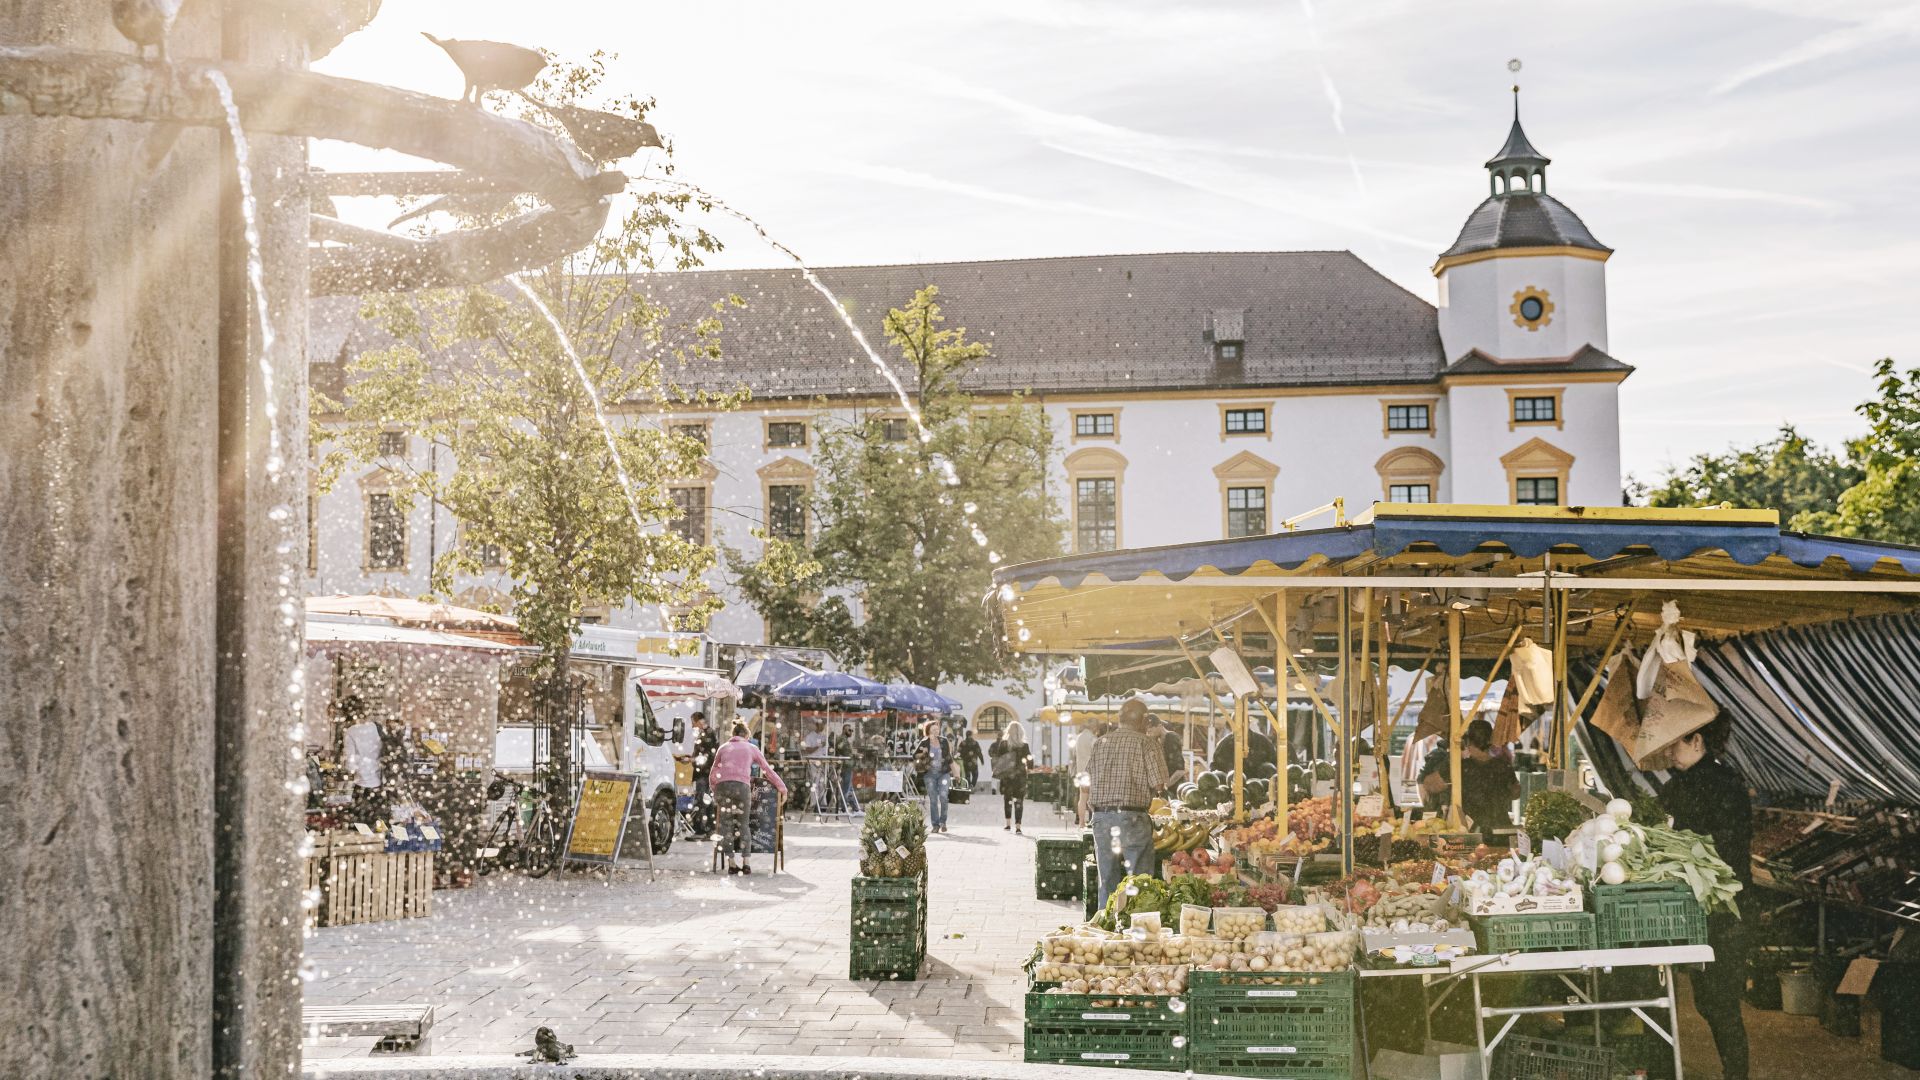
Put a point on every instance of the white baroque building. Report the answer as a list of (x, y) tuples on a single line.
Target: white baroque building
[(1193, 396)]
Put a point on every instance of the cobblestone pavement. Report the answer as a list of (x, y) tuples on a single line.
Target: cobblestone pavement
[(690, 962)]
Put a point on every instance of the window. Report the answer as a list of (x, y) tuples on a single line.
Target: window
[(1409, 418), (1227, 352), (786, 434), (1087, 425), (697, 432), (1246, 421), (1535, 410), (1410, 493), (1531, 309), (690, 519), (1246, 511), (896, 429), (787, 512), (1096, 518), (487, 555), (393, 444), (1537, 491), (386, 533), (993, 720)]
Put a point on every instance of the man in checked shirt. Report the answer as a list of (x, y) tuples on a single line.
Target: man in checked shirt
[(1129, 769)]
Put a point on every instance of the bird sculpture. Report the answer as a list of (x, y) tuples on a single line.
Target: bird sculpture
[(602, 136), (491, 65), (547, 1047), (464, 203), (145, 22)]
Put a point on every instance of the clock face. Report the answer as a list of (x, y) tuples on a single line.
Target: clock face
[(1532, 308)]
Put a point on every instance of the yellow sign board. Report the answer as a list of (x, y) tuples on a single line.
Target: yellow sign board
[(600, 816)]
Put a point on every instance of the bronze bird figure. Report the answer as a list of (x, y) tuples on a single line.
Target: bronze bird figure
[(491, 65), (602, 136), (145, 22), (548, 1047)]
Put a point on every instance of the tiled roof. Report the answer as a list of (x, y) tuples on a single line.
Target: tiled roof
[(1080, 324), (1517, 221), (1587, 359)]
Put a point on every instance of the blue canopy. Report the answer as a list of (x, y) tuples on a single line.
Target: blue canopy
[(760, 676), (831, 687), (910, 697)]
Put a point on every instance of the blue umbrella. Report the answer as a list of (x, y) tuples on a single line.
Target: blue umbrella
[(910, 697), (831, 687), (760, 676)]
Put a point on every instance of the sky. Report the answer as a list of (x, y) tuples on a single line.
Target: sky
[(1754, 164)]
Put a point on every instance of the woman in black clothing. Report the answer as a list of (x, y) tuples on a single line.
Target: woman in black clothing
[(1011, 760), (1707, 796)]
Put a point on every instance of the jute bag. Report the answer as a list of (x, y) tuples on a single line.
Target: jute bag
[(1618, 713), (1673, 704)]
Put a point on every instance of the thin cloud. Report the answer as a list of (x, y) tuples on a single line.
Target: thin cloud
[(909, 178), (1901, 21), (1715, 193)]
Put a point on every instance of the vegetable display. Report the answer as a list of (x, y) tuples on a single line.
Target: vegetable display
[(1616, 850), (1552, 815)]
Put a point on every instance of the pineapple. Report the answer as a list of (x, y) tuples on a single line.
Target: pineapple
[(893, 866), (916, 862)]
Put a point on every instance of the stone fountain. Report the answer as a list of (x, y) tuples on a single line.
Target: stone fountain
[(150, 553)]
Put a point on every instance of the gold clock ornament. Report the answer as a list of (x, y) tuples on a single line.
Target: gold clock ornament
[(1532, 308)]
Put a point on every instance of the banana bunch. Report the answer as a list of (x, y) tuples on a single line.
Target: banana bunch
[(1175, 836)]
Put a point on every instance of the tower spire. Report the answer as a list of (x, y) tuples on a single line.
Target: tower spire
[(1518, 169)]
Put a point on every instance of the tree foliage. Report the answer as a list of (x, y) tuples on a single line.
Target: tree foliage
[(523, 462), (1885, 502), (1786, 473), (907, 527)]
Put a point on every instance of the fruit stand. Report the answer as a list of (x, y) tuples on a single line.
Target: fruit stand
[(1447, 590), (888, 935)]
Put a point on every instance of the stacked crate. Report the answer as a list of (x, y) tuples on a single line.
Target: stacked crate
[(1556, 932), (1107, 1030), (1636, 915), (1090, 888), (1296, 1024), (889, 933), (1058, 867)]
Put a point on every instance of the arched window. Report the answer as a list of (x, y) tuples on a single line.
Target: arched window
[(992, 720), (1410, 475)]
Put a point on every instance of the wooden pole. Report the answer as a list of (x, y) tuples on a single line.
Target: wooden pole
[(1457, 724), (1282, 739), (1343, 736)]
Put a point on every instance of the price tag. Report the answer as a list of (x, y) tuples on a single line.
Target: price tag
[(361, 828), (1369, 806), (1439, 873), (1106, 1016), (1524, 844), (879, 845), (399, 832), (429, 832)]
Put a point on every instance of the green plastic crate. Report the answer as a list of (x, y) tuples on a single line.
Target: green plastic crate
[(1534, 933), (1274, 1066), (1090, 889), (1662, 913), (1310, 1027), (1108, 1047), (1132, 1012), (897, 956), (1212, 989), (888, 888), (1053, 854), (1523, 1058), (1057, 884)]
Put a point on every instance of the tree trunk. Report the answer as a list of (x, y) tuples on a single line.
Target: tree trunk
[(557, 690)]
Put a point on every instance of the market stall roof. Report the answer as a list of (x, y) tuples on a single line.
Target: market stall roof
[(761, 675), (835, 687), (430, 614), (324, 633), (667, 683), (914, 698), (1739, 572)]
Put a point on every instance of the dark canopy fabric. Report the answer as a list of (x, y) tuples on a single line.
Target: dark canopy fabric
[(1813, 705)]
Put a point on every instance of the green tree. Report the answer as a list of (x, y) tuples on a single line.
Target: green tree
[(1885, 502), (1785, 473), (910, 526), (514, 411)]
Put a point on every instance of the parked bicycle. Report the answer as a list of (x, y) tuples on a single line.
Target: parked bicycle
[(522, 836)]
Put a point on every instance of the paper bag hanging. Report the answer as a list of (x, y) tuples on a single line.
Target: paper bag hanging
[(1532, 668), (1506, 722), (1433, 712), (1678, 707), (1618, 713)]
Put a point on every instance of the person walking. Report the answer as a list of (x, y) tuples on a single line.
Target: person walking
[(705, 743), (843, 749), (732, 778), (970, 760), (1011, 760), (1128, 770), (1706, 795), (933, 760), (1082, 778)]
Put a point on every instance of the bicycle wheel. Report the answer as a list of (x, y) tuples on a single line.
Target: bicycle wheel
[(499, 841), (540, 852)]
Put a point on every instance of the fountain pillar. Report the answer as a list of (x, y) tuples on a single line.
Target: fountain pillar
[(149, 919)]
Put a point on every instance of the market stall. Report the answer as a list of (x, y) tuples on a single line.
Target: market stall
[(1548, 599)]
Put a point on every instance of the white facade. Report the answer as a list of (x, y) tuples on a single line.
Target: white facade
[(1520, 408)]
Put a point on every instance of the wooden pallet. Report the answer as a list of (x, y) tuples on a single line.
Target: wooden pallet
[(378, 887), (400, 1028)]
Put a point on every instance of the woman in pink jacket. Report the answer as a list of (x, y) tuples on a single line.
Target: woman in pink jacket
[(732, 779)]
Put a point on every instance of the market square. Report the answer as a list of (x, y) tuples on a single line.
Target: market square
[(873, 542)]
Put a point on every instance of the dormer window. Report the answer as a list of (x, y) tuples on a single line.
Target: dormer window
[(1227, 327), (1227, 352)]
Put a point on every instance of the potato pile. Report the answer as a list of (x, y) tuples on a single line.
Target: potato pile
[(1424, 907), (1194, 920), (1236, 924), (1329, 951), (1299, 920), (1152, 979)]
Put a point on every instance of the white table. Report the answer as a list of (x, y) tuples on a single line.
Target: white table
[(1470, 970)]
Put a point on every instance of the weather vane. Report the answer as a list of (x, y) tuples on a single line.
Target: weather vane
[(1513, 65)]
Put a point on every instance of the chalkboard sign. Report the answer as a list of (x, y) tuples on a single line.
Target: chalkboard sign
[(764, 820), (600, 817)]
